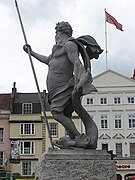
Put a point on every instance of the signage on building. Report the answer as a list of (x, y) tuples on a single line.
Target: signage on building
[(123, 166), (15, 152)]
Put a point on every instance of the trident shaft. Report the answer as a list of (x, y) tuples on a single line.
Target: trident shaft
[(33, 70)]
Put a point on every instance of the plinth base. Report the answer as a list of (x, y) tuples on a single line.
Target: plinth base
[(76, 164)]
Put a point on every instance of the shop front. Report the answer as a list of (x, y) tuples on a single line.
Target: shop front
[(125, 171)]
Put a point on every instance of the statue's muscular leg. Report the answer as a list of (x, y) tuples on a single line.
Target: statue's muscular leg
[(67, 123), (90, 126), (68, 113)]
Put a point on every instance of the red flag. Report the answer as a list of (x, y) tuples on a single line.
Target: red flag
[(110, 19)]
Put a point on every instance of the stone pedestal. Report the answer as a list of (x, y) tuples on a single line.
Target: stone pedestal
[(76, 164)]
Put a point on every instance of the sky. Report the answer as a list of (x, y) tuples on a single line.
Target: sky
[(87, 17)]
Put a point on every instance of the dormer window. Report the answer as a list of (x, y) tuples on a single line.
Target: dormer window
[(27, 108)]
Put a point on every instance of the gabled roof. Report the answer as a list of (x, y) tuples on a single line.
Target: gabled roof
[(118, 136), (104, 136), (111, 78), (26, 97), (29, 97), (131, 136)]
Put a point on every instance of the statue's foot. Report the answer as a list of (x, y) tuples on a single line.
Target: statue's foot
[(57, 144), (64, 143), (82, 141)]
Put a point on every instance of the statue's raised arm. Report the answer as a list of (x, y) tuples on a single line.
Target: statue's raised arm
[(41, 58)]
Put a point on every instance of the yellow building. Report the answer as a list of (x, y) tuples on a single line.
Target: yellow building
[(26, 144), (28, 133)]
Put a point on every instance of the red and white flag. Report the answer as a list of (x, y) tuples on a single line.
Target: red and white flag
[(110, 19)]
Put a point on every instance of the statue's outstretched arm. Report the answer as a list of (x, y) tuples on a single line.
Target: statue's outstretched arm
[(41, 58)]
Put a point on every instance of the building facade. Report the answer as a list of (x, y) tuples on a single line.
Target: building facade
[(113, 110), (4, 137), (28, 132)]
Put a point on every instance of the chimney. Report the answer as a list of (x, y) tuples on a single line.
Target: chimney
[(14, 90)]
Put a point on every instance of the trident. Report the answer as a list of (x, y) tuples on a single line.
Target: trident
[(33, 70)]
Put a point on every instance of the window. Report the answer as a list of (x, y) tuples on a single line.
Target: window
[(118, 121), (1, 158), (104, 123), (132, 149), (117, 100), (131, 119), (89, 100), (27, 129), (119, 149), (105, 147), (26, 168), (103, 100), (54, 129), (27, 108), (131, 100), (27, 147), (1, 134)]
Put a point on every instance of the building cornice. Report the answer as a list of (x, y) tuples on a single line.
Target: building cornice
[(25, 121), (25, 138)]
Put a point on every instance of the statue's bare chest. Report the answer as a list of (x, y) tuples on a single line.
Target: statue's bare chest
[(58, 51), (59, 59)]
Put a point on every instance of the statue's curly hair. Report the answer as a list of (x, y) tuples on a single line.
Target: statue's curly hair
[(64, 27)]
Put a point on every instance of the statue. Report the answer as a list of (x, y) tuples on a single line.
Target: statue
[(68, 80)]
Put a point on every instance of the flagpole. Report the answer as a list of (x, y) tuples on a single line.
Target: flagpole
[(106, 51), (33, 70)]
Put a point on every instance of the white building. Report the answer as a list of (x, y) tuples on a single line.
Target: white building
[(113, 110)]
